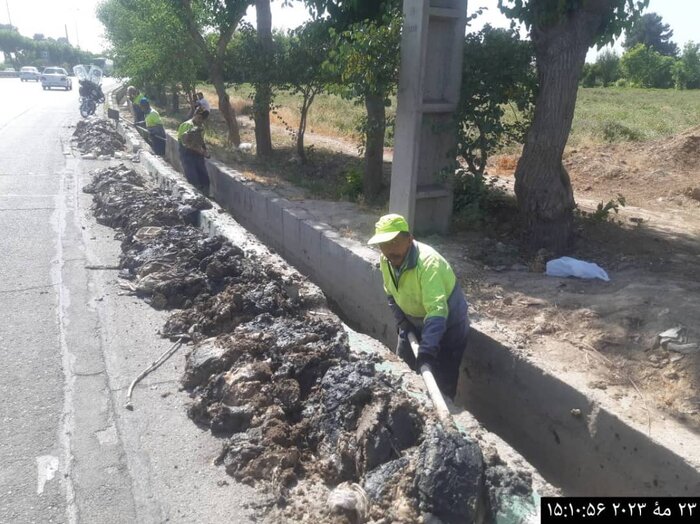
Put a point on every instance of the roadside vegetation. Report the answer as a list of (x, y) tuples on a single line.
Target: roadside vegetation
[(321, 113), (38, 51)]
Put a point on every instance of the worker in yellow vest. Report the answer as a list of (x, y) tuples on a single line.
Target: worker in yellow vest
[(154, 126), (193, 150)]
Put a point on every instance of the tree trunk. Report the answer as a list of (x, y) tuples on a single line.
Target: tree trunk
[(234, 135), (263, 92), (304, 110), (175, 99), (542, 185), (374, 147)]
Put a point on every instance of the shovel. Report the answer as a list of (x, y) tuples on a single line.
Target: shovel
[(426, 372)]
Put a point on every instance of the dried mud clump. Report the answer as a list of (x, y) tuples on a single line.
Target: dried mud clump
[(302, 413), (326, 434), (98, 136)]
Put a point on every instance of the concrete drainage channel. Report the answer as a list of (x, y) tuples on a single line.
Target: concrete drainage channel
[(573, 441)]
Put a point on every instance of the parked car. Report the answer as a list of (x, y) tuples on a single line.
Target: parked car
[(56, 77), (28, 73), (9, 72)]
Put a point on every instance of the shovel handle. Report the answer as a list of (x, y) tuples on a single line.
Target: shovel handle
[(426, 372)]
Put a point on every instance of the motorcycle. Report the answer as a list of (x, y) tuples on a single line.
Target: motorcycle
[(90, 91)]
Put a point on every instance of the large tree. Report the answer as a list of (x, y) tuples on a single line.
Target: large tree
[(366, 59), (562, 31), (211, 24), (650, 30)]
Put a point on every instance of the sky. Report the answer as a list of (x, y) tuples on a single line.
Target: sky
[(54, 18)]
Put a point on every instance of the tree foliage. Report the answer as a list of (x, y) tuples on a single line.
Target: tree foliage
[(686, 70), (365, 59), (604, 72), (497, 94), (541, 15), (343, 13), (302, 72), (650, 31), (20, 50), (644, 67), (211, 25), (149, 44)]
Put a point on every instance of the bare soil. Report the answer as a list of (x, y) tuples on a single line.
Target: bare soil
[(651, 250)]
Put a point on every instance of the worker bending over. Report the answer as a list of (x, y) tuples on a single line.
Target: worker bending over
[(425, 298), (193, 150), (154, 125), (134, 97)]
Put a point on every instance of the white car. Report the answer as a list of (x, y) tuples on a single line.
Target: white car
[(56, 77), (28, 73)]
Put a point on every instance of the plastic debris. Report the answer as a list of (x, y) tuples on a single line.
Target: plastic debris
[(572, 267), (676, 339)]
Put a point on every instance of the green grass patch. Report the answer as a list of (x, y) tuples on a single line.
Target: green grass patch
[(615, 114), (330, 115)]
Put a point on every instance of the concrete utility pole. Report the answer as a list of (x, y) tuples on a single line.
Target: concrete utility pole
[(429, 83)]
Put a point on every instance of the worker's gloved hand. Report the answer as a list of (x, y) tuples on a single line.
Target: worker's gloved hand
[(425, 357)]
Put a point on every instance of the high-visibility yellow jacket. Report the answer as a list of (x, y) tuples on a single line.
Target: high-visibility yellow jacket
[(425, 291)]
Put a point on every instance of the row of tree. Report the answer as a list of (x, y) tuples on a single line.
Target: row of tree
[(651, 59), (643, 66), (39, 51), (350, 47)]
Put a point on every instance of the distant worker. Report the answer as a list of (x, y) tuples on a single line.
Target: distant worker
[(199, 102), (134, 97), (425, 299), (202, 102), (193, 150), (154, 125)]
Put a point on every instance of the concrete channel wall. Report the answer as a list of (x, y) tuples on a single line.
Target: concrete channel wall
[(574, 442)]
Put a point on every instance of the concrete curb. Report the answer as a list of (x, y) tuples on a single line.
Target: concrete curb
[(593, 453)]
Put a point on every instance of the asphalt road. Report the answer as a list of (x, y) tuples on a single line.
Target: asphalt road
[(70, 344)]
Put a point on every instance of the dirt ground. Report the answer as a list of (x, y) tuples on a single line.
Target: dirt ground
[(607, 331), (651, 250)]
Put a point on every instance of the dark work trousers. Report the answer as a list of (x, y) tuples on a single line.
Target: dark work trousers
[(138, 113), (156, 139), (452, 347), (194, 169)]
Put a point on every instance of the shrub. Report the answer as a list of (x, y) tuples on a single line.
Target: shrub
[(686, 71), (476, 198), (615, 131), (497, 94), (644, 67), (352, 187)]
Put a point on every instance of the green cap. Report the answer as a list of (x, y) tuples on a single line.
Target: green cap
[(387, 227)]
